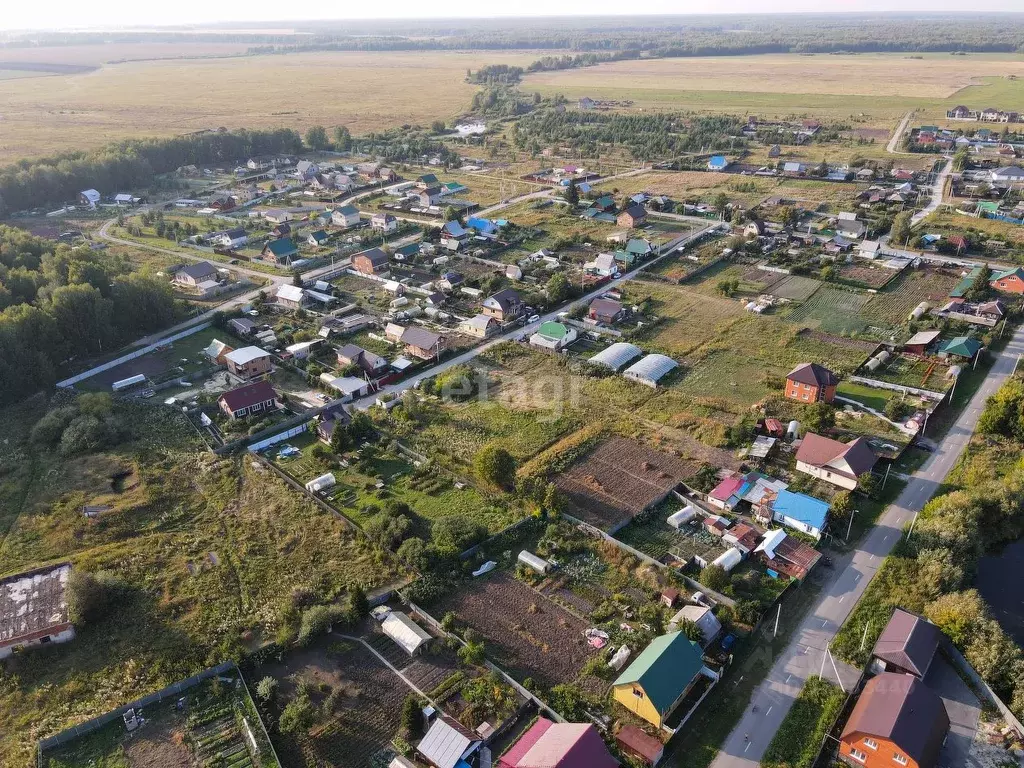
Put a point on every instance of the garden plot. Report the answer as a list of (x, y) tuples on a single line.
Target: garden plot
[(655, 538), (892, 305), (869, 276), (832, 310), (367, 703), (216, 725), (795, 288), (525, 633), (618, 480), (909, 371)]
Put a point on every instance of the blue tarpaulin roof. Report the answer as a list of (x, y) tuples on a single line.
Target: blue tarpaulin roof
[(802, 508)]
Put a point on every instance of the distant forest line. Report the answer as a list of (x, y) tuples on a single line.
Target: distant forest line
[(655, 36)]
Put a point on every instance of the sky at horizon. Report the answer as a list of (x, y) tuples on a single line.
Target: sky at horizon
[(106, 14)]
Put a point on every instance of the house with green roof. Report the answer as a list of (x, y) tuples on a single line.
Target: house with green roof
[(553, 336), (1009, 280), (660, 677), (639, 247), (280, 251), (965, 284), (962, 346)]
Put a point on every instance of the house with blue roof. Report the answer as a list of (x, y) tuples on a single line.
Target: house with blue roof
[(718, 163), (800, 512), (484, 227)]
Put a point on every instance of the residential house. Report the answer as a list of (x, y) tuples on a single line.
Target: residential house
[(897, 720), (249, 400), (907, 645), (217, 351), (233, 238), (717, 163), (800, 512), (347, 387), (371, 262), (393, 332), (242, 326), (453, 235), (290, 296), (35, 609), (633, 216), (960, 112), (811, 383), (964, 347), (1009, 280), (421, 343), (281, 251), (368, 362), (703, 617), (330, 419), (483, 227), (281, 230), (838, 463), (603, 265), (192, 275), (480, 326), (639, 247), (277, 216), (848, 226), (435, 299), (449, 281), (605, 310), (346, 216), (383, 222), (89, 197), (1011, 176), (248, 362), (774, 151), (317, 239), (306, 170), (558, 745), (553, 336), (448, 744), (429, 196), (786, 554), (504, 305), (659, 678), (604, 204)]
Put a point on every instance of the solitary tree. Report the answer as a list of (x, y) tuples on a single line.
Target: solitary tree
[(316, 138), (572, 194), (899, 233), (342, 138), (495, 465)]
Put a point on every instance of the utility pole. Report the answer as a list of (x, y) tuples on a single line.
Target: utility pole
[(864, 638), (849, 528), (836, 669), (778, 615), (884, 479)]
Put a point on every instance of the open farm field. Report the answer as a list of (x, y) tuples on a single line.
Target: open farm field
[(693, 185), (113, 53), (163, 98), (868, 89), (525, 633)]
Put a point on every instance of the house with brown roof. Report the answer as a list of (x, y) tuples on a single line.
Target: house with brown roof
[(907, 645), (640, 745), (605, 310), (504, 305), (897, 721), (838, 463), (634, 216), (421, 343), (811, 383), (249, 400), (371, 262)]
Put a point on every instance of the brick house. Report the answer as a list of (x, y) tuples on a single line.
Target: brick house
[(248, 362), (634, 216), (811, 383), (1009, 281), (371, 262)]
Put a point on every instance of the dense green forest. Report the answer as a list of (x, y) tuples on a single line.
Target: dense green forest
[(60, 304), (646, 136), (129, 165)]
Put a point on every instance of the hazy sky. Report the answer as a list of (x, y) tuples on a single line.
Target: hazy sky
[(48, 14)]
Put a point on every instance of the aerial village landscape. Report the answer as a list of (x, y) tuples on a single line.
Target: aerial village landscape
[(604, 418)]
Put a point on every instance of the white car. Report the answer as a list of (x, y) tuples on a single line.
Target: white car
[(533, 318)]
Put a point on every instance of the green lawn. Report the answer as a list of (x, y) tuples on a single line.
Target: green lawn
[(869, 396), (799, 739)]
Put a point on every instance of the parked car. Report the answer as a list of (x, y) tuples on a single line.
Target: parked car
[(533, 319)]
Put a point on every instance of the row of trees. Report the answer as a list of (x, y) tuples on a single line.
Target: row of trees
[(130, 164)]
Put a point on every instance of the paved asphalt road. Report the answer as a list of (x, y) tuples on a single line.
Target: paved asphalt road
[(803, 656)]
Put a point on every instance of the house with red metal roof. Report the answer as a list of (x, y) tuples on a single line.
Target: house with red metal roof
[(558, 745), (811, 383), (252, 399)]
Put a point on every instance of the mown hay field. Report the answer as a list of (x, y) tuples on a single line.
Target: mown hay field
[(363, 91), (869, 89)]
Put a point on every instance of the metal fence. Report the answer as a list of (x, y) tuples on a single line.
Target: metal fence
[(70, 382), (175, 689)]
